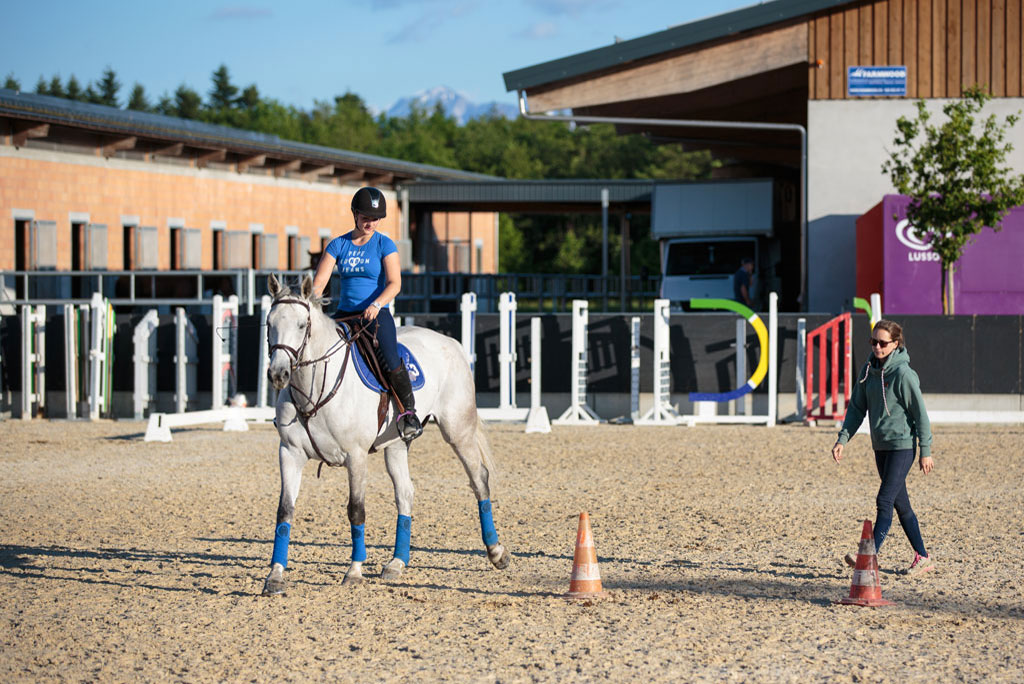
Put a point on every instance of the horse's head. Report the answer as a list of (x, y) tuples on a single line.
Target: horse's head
[(288, 327)]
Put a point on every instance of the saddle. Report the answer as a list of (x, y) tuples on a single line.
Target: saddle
[(369, 365)]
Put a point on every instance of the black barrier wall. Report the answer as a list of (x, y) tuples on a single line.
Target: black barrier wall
[(952, 355)]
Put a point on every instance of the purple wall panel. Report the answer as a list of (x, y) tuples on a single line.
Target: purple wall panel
[(987, 279)]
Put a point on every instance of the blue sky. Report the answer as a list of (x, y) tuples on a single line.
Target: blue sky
[(308, 50)]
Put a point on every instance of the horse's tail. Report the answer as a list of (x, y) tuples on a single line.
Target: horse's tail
[(484, 447)]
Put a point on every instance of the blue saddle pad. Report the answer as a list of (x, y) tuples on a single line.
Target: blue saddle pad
[(366, 375)]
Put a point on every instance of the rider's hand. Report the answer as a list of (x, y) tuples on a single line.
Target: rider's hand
[(371, 312), (837, 452)]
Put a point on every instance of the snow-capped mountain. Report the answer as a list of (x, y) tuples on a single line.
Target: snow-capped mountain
[(455, 104)]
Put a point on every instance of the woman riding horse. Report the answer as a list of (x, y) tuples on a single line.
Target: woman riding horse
[(371, 277)]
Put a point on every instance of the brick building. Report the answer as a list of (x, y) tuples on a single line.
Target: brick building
[(89, 187)]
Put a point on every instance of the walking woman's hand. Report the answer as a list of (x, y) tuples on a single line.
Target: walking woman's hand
[(837, 452), (926, 464)]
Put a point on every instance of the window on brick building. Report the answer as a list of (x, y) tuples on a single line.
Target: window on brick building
[(95, 252), (236, 249), (264, 252), (147, 253), (298, 252), (22, 240), (128, 247), (186, 249), (78, 246), (218, 239)]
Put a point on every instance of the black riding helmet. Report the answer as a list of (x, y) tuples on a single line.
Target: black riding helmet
[(369, 202)]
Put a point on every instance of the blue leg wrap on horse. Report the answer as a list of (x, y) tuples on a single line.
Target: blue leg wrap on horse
[(358, 544), (403, 535), (487, 523), (281, 535)]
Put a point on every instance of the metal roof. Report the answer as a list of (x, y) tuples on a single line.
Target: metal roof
[(673, 38), (55, 110), (572, 191)]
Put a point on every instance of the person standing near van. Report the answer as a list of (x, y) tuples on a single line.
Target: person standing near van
[(741, 282), (889, 393)]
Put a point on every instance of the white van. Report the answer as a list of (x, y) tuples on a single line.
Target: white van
[(705, 230), (704, 267)]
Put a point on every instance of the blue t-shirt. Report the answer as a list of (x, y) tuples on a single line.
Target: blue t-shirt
[(361, 268)]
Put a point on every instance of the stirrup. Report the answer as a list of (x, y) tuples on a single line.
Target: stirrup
[(409, 426)]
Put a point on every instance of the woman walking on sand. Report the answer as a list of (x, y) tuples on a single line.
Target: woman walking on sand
[(889, 393)]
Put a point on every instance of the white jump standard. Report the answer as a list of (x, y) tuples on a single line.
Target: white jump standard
[(507, 409), (579, 412)]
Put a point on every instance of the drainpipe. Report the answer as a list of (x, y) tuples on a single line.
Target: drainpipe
[(695, 123)]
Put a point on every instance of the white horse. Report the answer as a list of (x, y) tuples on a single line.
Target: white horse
[(325, 413)]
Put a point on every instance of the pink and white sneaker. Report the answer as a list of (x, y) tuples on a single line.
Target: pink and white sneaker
[(921, 565)]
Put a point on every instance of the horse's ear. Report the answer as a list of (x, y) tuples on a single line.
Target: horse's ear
[(273, 286), (307, 286)]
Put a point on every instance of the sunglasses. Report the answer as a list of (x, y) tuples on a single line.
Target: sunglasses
[(880, 343)]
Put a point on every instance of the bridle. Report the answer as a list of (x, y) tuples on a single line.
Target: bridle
[(294, 354)]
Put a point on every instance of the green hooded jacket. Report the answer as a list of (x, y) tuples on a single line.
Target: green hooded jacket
[(889, 393)]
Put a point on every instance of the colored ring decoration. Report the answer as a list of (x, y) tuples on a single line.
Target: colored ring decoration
[(762, 338)]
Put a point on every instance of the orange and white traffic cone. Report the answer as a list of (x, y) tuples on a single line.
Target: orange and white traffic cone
[(586, 578), (865, 589)]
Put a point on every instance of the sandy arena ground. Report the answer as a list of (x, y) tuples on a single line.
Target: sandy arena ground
[(720, 549)]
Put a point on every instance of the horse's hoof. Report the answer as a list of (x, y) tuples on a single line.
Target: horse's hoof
[(352, 580), (392, 570), (499, 556), (274, 586)]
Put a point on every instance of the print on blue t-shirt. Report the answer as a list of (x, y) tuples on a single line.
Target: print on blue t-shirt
[(361, 268)]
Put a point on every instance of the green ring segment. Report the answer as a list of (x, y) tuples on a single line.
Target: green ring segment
[(863, 305)]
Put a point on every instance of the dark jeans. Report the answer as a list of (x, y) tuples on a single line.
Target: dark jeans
[(893, 467), (384, 327)]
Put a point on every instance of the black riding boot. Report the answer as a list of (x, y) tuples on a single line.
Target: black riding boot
[(408, 424)]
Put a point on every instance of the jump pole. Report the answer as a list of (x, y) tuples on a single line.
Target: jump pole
[(741, 406), (507, 409), (876, 308), (33, 360), (537, 420), (97, 354), (71, 360), (225, 345), (468, 306), (662, 412), (801, 360), (262, 385), (144, 361), (185, 360), (579, 412)]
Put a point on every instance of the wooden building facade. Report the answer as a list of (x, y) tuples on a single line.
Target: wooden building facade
[(945, 45)]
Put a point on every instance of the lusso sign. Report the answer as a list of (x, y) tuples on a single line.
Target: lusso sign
[(908, 237)]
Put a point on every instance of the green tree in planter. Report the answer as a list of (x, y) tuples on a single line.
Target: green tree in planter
[(955, 177)]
